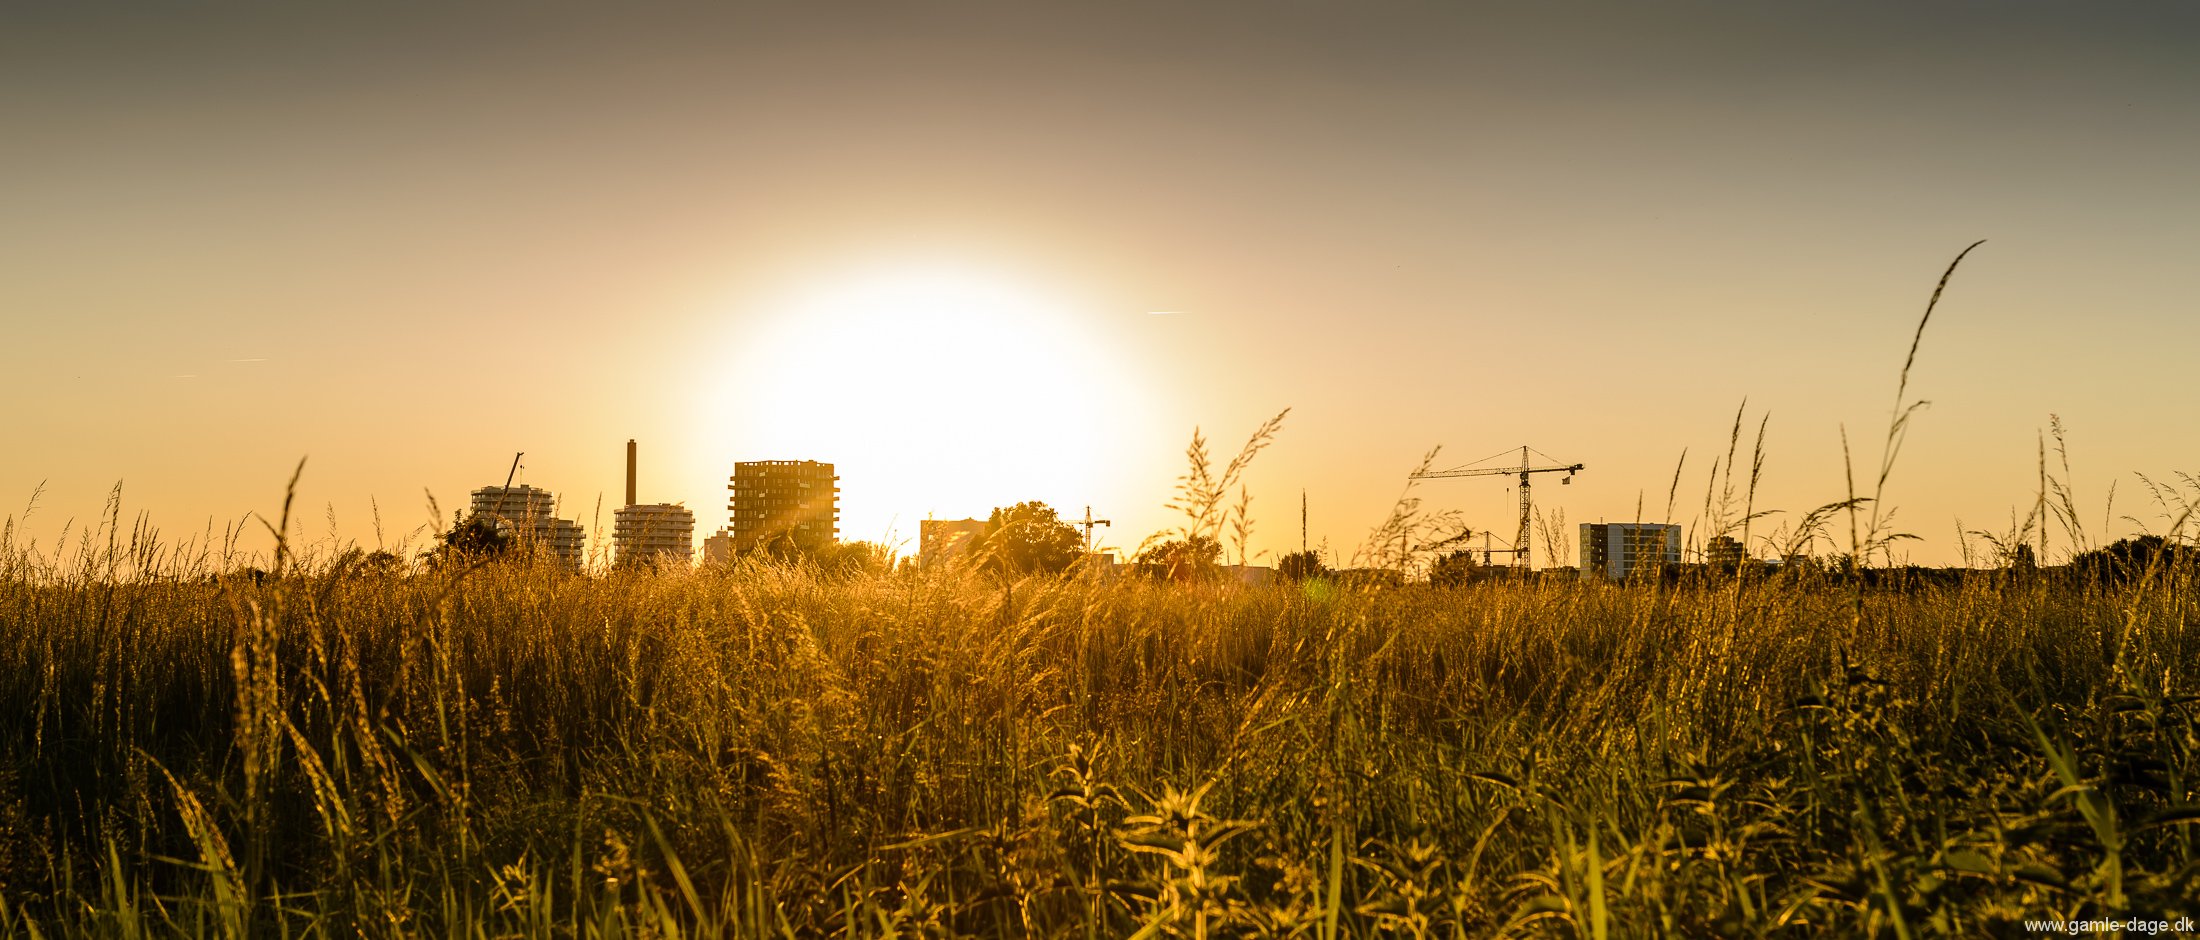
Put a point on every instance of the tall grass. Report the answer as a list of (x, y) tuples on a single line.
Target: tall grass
[(507, 750)]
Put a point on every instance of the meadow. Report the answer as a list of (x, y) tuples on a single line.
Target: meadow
[(492, 748), (506, 750)]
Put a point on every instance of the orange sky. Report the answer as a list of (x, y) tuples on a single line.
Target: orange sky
[(406, 244)]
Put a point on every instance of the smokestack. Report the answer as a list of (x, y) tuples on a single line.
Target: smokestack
[(630, 471)]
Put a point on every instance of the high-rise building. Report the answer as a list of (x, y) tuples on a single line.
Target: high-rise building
[(663, 533), (1618, 550), (529, 514), (658, 533), (796, 498)]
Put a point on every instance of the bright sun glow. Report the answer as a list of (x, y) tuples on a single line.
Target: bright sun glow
[(936, 390)]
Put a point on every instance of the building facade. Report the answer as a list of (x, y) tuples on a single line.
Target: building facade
[(660, 533), (718, 549), (1725, 553), (1617, 550), (939, 540), (529, 514), (796, 498)]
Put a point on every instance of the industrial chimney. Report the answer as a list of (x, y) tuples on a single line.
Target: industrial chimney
[(630, 471)]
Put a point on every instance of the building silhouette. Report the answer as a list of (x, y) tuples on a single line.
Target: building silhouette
[(1725, 553), (939, 540), (799, 499), (658, 533), (663, 533), (1617, 550), (529, 515), (718, 549)]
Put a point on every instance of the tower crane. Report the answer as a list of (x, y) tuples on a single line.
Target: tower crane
[(1087, 523), (1520, 554)]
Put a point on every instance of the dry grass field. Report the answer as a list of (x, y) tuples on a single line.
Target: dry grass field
[(503, 750), (497, 749)]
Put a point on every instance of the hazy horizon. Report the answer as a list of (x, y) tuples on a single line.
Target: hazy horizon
[(979, 254)]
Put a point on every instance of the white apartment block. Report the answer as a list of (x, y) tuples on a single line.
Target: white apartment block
[(1616, 551), (529, 514), (662, 532)]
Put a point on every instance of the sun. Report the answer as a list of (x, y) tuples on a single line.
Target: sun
[(936, 389)]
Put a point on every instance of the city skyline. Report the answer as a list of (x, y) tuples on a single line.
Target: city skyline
[(974, 255)]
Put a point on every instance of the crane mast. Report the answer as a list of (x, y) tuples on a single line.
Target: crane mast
[(1087, 524), (1521, 557)]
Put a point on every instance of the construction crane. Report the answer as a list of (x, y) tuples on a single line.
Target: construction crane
[(1087, 525), (1491, 551), (1519, 550)]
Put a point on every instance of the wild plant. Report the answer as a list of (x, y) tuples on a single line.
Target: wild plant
[(330, 748)]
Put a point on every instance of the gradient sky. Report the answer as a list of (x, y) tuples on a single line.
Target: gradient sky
[(406, 242)]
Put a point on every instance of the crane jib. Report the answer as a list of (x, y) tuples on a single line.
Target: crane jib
[(1520, 544)]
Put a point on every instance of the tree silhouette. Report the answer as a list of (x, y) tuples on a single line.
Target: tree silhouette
[(1027, 538), (1452, 568), (478, 538), (1192, 558), (2129, 559), (359, 562), (1299, 566), (382, 564)]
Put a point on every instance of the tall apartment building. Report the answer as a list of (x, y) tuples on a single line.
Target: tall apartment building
[(1616, 550), (659, 532), (798, 498), (529, 514)]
